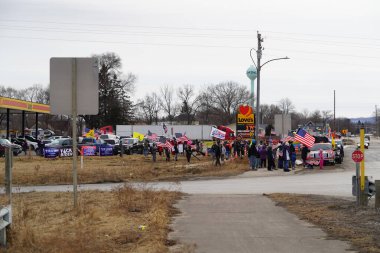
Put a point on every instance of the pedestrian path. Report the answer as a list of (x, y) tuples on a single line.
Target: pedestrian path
[(245, 224)]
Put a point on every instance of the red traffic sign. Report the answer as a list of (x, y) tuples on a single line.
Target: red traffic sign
[(357, 156)]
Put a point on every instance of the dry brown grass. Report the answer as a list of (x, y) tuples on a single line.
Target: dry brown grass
[(339, 218), (103, 221), (41, 171)]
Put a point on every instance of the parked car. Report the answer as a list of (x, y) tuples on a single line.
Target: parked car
[(4, 143), (131, 146), (109, 136), (328, 154), (31, 141), (366, 144)]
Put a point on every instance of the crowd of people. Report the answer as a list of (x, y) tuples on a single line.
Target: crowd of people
[(260, 155)]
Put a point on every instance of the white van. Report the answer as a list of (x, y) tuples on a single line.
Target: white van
[(109, 136)]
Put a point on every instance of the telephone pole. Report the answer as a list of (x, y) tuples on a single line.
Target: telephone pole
[(334, 113), (259, 54), (258, 66), (377, 122)]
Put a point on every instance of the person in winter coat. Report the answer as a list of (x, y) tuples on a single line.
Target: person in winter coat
[(217, 151), (252, 156), (236, 148), (304, 152), (270, 157), (176, 151), (228, 150), (293, 155), (167, 153), (279, 155), (153, 150), (286, 157), (188, 152), (263, 156)]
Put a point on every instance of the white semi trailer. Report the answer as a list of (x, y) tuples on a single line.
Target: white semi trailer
[(200, 132)]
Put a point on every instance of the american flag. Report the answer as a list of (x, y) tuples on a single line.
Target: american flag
[(182, 139), (288, 138), (169, 145), (303, 137), (165, 128), (152, 136)]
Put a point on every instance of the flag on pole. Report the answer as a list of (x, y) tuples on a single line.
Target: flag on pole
[(305, 138), (169, 145), (91, 133), (152, 136), (138, 136), (165, 128)]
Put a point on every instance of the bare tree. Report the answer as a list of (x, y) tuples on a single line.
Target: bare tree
[(150, 106), (9, 92), (189, 102), (205, 109), (226, 97), (305, 114), (316, 116), (168, 103), (36, 93), (326, 115), (286, 105)]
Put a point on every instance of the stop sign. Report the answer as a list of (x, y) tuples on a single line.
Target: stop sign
[(357, 156)]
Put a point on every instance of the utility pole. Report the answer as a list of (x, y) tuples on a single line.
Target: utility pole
[(259, 55), (334, 113), (258, 66), (377, 122)]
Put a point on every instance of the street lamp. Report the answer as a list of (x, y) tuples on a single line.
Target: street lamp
[(258, 70)]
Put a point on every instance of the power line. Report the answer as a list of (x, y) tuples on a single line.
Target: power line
[(125, 42), (324, 35), (179, 45), (130, 26), (185, 28), (143, 33), (325, 53)]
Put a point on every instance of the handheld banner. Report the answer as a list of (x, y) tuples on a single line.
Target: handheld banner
[(216, 133)]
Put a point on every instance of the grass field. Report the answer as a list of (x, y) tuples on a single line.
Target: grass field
[(123, 220), (42, 171)]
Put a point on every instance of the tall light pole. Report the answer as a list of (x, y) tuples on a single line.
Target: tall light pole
[(258, 66)]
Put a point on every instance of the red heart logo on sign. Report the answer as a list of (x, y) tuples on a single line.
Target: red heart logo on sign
[(245, 109)]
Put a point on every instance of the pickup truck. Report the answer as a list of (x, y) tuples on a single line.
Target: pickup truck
[(130, 146)]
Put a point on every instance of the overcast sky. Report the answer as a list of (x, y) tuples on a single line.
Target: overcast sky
[(333, 45)]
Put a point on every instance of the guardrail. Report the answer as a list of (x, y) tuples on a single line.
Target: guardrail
[(5, 221), (6, 211)]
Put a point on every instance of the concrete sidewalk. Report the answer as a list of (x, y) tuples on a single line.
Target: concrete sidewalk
[(246, 223)]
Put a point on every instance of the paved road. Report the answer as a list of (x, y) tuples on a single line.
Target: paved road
[(337, 183), (246, 224)]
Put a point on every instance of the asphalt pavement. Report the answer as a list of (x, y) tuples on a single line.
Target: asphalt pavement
[(245, 224)]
